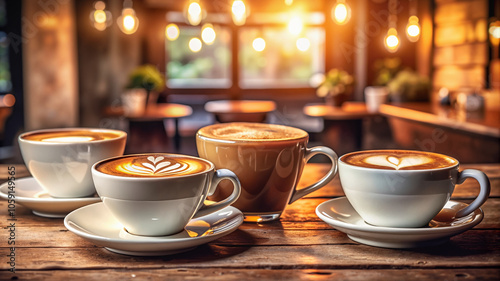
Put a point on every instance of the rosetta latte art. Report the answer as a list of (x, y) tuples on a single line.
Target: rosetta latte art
[(154, 166)]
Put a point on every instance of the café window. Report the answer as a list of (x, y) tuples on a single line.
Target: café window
[(270, 53)]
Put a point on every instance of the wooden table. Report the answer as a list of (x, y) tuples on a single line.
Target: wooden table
[(240, 110), (299, 246), (152, 120)]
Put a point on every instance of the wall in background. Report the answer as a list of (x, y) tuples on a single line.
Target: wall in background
[(50, 66)]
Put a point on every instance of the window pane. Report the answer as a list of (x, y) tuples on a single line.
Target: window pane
[(5, 82), (208, 68), (281, 64)]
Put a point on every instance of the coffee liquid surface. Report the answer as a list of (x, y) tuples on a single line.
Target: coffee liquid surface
[(251, 132), (152, 165), (69, 136), (398, 160)]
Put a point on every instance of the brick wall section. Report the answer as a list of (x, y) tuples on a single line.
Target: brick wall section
[(460, 44)]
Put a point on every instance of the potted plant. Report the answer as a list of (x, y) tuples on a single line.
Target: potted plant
[(336, 87), (408, 85), (148, 80)]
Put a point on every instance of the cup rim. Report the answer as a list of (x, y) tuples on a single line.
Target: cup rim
[(200, 135), (94, 170), (21, 138), (340, 160)]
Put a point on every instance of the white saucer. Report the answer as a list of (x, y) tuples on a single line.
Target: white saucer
[(31, 195), (339, 214), (96, 224)]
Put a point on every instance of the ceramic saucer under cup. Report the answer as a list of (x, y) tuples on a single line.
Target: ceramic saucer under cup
[(339, 214), (31, 195), (97, 225)]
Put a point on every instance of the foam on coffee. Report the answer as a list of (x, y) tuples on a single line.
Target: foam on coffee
[(152, 165), (251, 132), (398, 160), (69, 136)]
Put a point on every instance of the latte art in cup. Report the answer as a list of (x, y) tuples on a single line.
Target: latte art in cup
[(71, 136), (152, 166), (399, 160)]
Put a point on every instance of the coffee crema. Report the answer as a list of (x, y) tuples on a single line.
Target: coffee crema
[(398, 160), (152, 165), (251, 132), (70, 136)]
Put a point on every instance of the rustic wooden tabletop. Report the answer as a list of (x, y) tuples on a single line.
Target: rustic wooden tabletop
[(299, 246)]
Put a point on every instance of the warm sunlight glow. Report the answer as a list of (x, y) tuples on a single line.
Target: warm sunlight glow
[(295, 25), (195, 45), (208, 34), (259, 44), (303, 44), (172, 32), (341, 13)]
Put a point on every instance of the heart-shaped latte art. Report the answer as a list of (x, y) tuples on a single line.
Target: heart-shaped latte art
[(397, 162)]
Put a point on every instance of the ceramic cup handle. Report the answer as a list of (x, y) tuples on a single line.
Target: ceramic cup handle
[(220, 175), (310, 152), (484, 192)]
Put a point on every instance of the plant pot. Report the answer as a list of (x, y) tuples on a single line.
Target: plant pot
[(336, 100)]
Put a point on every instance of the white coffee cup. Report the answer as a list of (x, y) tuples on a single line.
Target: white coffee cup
[(409, 196), (60, 159), (157, 194), (374, 97)]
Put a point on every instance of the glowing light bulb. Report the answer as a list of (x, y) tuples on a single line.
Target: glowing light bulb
[(494, 31), (391, 40), (341, 13), (295, 25), (172, 32), (413, 29), (195, 45), (239, 12), (128, 22), (194, 13), (303, 44), (208, 34), (100, 17), (259, 44)]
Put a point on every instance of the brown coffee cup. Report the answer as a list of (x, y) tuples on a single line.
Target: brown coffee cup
[(268, 159)]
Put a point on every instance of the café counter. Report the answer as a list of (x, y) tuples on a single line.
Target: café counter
[(298, 246)]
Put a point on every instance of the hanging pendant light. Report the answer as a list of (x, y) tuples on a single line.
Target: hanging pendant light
[(391, 40), (100, 17), (413, 27), (341, 12), (128, 21), (194, 12), (239, 12)]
